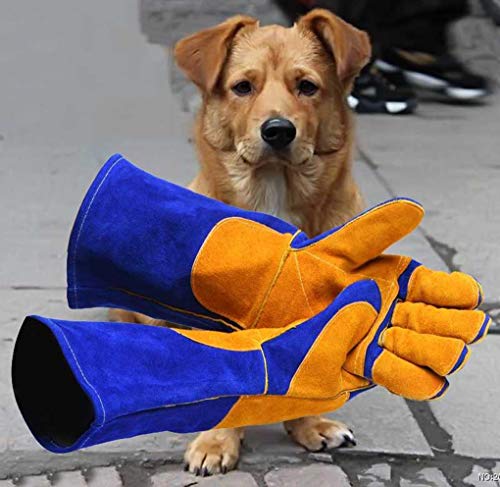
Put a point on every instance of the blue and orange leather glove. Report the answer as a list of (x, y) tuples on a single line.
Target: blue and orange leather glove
[(78, 384), (147, 245)]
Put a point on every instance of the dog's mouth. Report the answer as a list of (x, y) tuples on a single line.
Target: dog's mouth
[(277, 158), (278, 161)]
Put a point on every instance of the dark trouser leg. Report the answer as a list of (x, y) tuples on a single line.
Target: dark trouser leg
[(408, 24)]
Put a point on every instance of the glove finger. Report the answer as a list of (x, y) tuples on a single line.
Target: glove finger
[(406, 379), (443, 355), (443, 289), (369, 234), (467, 325)]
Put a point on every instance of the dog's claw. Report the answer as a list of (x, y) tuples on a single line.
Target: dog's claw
[(223, 469), (348, 441), (205, 472)]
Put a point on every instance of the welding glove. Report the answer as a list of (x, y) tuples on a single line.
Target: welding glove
[(147, 245), (78, 384)]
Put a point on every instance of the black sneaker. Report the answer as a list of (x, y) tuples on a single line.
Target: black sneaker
[(373, 92), (443, 74)]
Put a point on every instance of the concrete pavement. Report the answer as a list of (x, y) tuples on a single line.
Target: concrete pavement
[(73, 92)]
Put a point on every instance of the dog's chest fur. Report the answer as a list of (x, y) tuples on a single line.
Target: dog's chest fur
[(270, 194)]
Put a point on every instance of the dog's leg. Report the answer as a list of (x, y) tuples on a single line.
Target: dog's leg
[(122, 315), (316, 433), (214, 451)]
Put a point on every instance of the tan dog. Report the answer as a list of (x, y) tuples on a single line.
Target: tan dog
[(274, 134)]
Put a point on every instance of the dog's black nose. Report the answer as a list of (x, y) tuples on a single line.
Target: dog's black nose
[(278, 132)]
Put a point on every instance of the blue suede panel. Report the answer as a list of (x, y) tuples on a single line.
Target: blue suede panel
[(483, 329), (442, 390), (131, 373), (404, 278), (299, 241), (184, 418), (161, 366), (460, 360), (282, 364), (480, 296), (374, 349), (142, 234)]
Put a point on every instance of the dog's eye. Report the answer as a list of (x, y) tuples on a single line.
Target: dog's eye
[(242, 88), (307, 88)]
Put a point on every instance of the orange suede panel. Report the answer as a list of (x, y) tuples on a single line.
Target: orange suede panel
[(423, 318), (455, 290), (252, 410), (270, 273), (438, 353), (321, 279), (286, 289), (368, 235), (319, 373), (406, 379), (238, 341), (227, 252)]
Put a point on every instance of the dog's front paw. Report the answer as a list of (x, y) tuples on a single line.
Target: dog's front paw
[(214, 451), (316, 433)]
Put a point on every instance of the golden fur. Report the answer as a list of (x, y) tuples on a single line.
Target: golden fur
[(310, 183)]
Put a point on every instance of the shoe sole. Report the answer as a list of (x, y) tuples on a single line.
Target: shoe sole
[(389, 107), (432, 83)]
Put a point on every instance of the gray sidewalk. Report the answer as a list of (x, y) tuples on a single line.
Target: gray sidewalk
[(74, 92)]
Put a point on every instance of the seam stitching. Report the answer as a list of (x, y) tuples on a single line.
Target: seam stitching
[(302, 283), (84, 218), (281, 264), (180, 310)]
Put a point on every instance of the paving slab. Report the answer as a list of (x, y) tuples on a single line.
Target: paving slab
[(103, 477), (377, 475), (382, 423), (375, 431), (37, 221), (374, 192), (185, 479), (317, 475), (470, 409), (103, 90), (73, 478), (34, 481), (427, 477)]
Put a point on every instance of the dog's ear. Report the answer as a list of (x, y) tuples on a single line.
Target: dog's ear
[(350, 47), (202, 55)]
